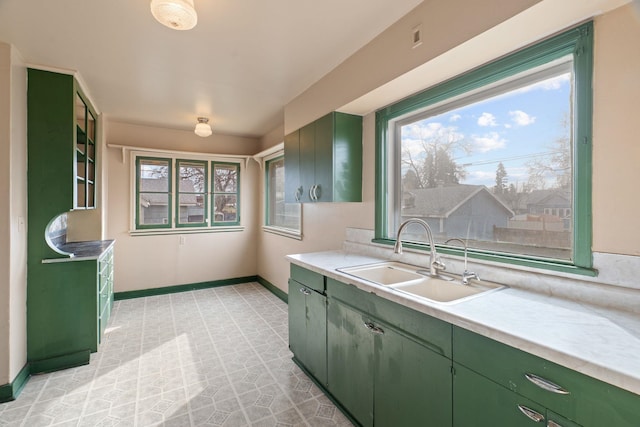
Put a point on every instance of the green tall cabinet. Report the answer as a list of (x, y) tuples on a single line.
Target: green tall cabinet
[(323, 160), (63, 304)]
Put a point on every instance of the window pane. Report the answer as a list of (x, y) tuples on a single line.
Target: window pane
[(280, 214), (225, 178), (191, 209), (225, 208), (153, 175), (192, 192), (495, 169), (153, 208)]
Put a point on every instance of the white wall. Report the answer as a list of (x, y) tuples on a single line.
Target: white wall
[(13, 192), (615, 156), (144, 262)]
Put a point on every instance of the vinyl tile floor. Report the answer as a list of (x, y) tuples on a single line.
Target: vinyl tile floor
[(213, 357)]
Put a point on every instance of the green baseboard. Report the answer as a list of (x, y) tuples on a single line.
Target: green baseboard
[(182, 288), (9, 392), (274, 289)]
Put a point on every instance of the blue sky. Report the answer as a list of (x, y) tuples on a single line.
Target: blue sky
[(514, 128)]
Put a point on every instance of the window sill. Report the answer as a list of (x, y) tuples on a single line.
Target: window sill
[(285, 232), (186, 230)]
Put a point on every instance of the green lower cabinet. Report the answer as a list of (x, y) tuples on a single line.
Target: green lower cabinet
[(382, 376), (308, 329), (350, 354), (412, 383), (479, 402)]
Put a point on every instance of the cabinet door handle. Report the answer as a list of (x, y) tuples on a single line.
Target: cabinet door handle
[(373, 328), (305, 291), (545, 384), (552, 423), (311, 192), (298, 193), (315, 192), (531, 414)]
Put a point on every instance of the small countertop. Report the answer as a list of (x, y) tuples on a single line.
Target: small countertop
[(82, 251), (598, 342)]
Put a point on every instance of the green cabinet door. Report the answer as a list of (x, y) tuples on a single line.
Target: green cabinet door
[(412, 383), (350, 354), (308, 329), (325, 159), (479, 402), (307, 161)]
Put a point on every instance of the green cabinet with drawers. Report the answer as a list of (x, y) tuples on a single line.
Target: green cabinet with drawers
[(323, 160), (563, 397), (105, 293), (389, 365)]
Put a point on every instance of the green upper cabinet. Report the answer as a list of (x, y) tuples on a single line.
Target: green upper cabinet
[(323, 160), (62, 136)]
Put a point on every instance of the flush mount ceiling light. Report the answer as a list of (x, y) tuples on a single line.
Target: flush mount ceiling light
[(203, 128), (176, 14)]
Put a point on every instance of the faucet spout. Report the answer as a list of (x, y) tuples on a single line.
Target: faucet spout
[(434, 260), (466, 275)]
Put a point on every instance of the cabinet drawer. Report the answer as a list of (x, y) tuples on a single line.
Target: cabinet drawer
[(308, 278), (578, 397)]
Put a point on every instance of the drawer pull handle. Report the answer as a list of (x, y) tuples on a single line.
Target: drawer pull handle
[(373, 328), (305, 291), (531, 414), (546, 384), (552, 423)]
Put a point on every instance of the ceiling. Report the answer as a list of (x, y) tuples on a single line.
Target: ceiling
[(242, 63)]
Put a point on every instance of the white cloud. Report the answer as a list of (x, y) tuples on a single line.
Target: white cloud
[(487, 119), (455, 118), (488, 142), (520, 118)]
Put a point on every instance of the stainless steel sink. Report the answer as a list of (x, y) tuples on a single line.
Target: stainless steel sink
[(406, 278)]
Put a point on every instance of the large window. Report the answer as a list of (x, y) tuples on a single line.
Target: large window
[(177, 193), (498, 157), (280, 216)]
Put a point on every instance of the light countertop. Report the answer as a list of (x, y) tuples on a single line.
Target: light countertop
[(601, 343), (82, 251)]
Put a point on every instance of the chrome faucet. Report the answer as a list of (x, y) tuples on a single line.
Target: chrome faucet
[(466, 275), (434, 260)]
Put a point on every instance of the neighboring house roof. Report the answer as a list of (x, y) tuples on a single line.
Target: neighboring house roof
[(160, 185), (546, 197), (441, 202)]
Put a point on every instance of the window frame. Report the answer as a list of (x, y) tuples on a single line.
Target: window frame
[(578, 42), (173, 226), (178, 193), (295, 233), (214, 193), (169, 193)]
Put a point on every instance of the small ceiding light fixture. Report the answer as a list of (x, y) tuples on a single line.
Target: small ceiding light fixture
[(203, 128), (176, 14)]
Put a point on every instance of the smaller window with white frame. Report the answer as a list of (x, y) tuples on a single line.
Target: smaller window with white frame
[(279, 216)]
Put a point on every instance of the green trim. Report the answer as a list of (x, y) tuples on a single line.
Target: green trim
[(11, 391), (577, 42), (60, 362), (182, 288), (274, 289)]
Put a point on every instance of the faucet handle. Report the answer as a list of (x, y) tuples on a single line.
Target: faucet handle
[(439, 265)]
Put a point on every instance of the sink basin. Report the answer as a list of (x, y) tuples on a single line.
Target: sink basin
[(404, 278), (386, 273)]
